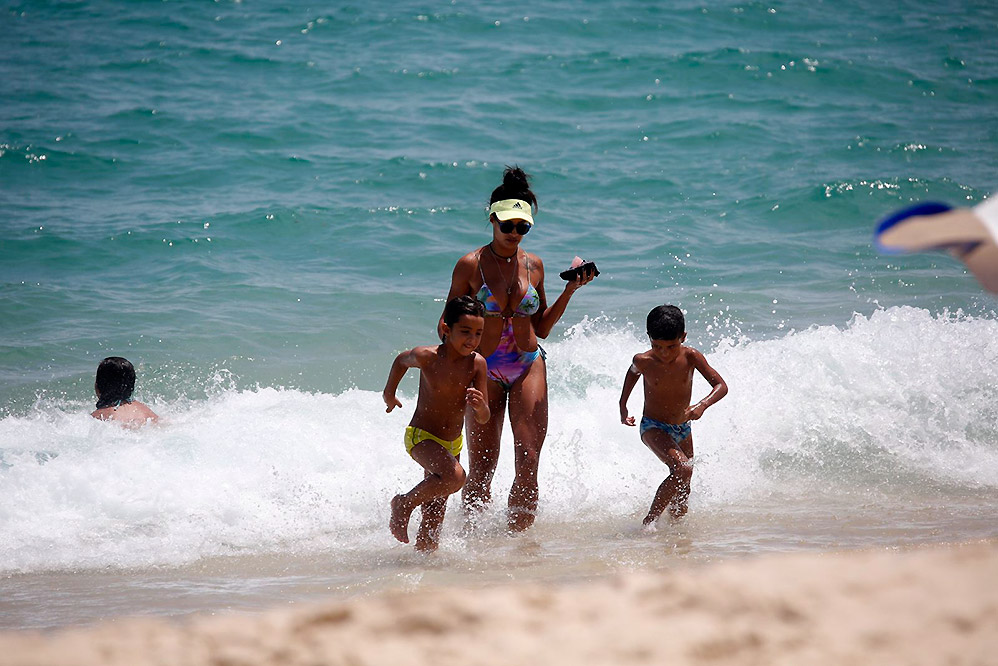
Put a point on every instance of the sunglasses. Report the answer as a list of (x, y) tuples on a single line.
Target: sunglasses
[(521, 227)]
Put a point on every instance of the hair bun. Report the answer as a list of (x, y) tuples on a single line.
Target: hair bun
[(515, 185), (515, 178)]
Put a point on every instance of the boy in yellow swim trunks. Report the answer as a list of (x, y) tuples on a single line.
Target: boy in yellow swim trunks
[(452, 376)]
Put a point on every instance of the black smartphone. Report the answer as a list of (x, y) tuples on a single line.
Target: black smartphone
[(579, 270)]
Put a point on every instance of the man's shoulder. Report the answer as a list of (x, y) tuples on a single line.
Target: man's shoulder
[(131, 413), (144, 409)]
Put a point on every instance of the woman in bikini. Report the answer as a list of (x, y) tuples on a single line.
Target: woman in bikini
[(510, 283)]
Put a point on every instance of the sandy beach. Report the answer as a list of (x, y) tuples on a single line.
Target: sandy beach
[(931, 605)]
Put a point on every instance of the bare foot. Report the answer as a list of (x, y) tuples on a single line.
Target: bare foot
[(649, 526), (399, 522), (519, 520), (426, 545), (677, 511), (473, 511)]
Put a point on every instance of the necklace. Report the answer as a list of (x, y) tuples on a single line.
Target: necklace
[(496, 254), (508, 285)]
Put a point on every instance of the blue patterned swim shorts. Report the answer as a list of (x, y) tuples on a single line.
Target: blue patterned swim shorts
[(677, 431)]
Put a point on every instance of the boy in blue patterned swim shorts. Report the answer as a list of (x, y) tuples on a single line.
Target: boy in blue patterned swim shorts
[(665, 425)]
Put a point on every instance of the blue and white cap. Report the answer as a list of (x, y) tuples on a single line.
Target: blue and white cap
[(970, 234)]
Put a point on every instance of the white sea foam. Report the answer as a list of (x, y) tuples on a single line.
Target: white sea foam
[(898, 404)]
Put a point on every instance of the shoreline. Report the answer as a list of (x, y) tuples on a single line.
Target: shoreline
[(924, 605)]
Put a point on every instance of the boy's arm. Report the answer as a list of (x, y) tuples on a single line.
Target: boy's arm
[(719, 388), (403, 362), (478, 391), (630, 379)]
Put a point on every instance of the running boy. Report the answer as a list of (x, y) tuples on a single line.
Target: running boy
[(665, 429), (452, 375), (114, 385)]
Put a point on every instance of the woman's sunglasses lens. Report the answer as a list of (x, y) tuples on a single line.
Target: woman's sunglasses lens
[(521, 227)]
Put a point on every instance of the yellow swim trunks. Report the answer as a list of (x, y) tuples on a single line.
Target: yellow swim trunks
[(414, 436)]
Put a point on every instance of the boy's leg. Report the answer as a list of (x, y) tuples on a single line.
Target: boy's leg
[(444, 476), (428, 535), (528, 416), (680, 503), (674, 492), (483, 450)]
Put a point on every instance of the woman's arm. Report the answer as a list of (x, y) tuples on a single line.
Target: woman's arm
[(460, 285), (547, 317)]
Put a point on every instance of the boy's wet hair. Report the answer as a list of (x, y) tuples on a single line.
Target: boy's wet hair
[(115, 381), (462, 305), (666, 322)]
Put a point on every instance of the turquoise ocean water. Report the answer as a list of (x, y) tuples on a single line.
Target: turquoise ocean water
[(260, 203)]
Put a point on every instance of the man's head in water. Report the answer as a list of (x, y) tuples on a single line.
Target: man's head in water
[(115, 381)]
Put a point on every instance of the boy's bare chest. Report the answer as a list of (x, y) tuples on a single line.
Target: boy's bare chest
[(670, 377), (447, 376)]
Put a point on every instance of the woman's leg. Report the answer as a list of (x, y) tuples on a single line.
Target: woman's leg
[(528, 416), (483, 451)]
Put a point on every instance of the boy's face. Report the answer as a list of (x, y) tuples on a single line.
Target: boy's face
[(668, 350), (465, 334)]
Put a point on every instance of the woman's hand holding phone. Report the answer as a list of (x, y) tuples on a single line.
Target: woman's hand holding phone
[(580, 269)]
